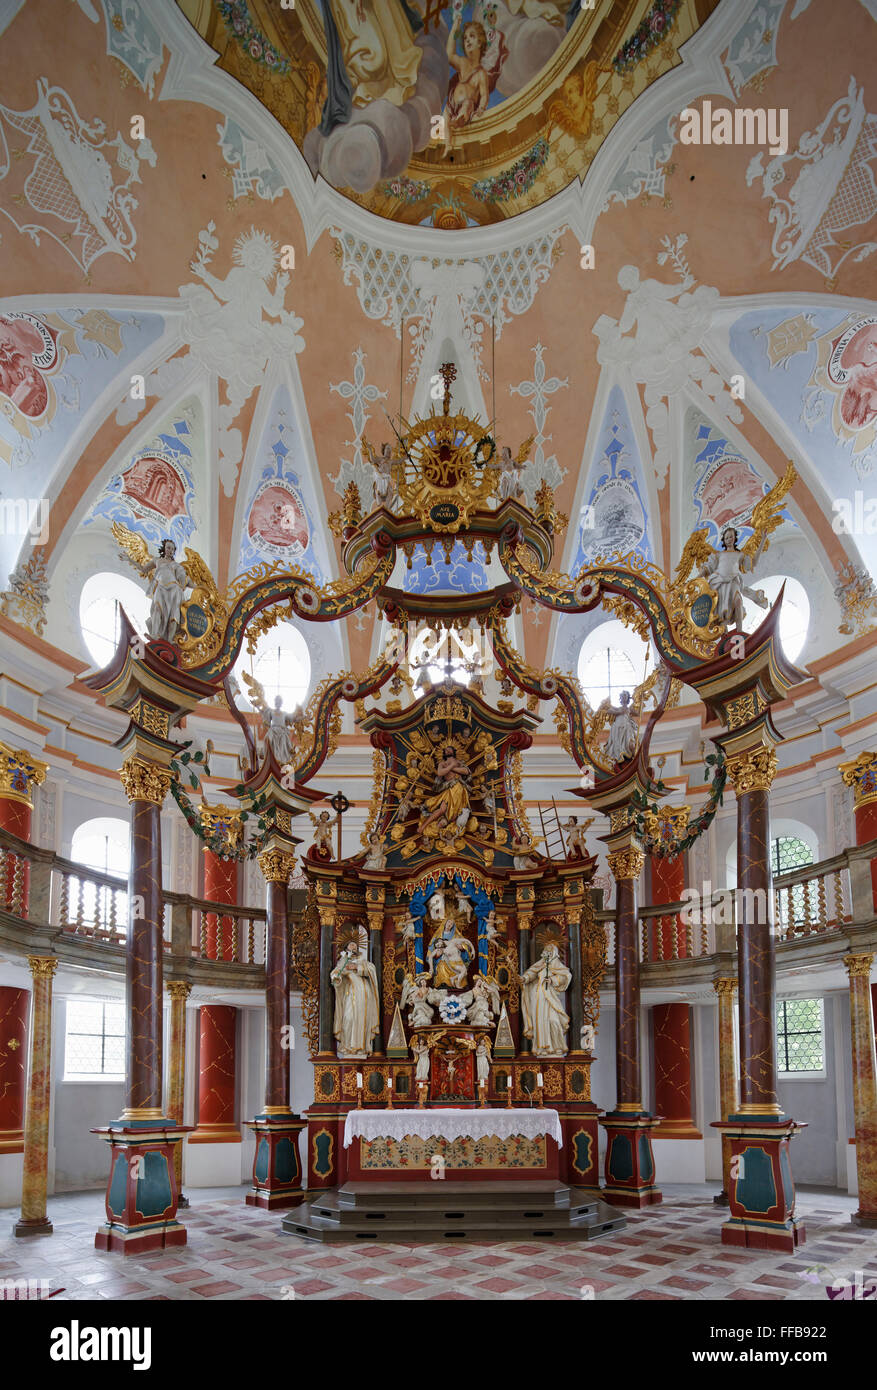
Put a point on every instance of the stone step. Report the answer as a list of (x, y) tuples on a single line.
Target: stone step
[(458, 1207), (439, 1192), (427, 1224)]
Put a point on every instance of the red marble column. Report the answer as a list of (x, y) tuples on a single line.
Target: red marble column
[(277, 1050), (143, 965), (756, 956), (19, 774), (864, 1063), (13, 1067), (34, 1220), (217, 1075), (221, 882), (672, 1045), (627, 997), (861, 774)]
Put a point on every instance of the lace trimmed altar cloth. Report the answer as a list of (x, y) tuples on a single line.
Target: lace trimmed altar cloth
[(451, 1124)]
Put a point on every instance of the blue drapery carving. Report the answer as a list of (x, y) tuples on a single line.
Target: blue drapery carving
[(481, 905)]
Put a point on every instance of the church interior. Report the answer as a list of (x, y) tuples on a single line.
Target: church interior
[(438, 619)]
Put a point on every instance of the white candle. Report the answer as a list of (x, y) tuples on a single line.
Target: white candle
[(359, 1080), (389, 1083), (539, 1080), (482, 1082)]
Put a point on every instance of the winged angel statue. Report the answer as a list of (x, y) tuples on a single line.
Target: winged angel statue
[(283, 732), (168, 580), (724, 569)]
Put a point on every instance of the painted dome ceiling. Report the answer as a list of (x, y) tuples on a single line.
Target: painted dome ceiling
[(199, 339), (451, 116)]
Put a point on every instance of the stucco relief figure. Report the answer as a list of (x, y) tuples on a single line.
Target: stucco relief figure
[(226, 321), (724, 570), (623, 736), (545, 1019), (355, 983)]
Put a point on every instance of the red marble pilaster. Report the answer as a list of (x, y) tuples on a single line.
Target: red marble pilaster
[(13, 1067), (671, 1025), (217, 1057)]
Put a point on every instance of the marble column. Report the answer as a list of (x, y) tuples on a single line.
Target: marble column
[(864, 1084), (141, 1201), (19, 774), (728, 1093), (219, 934), (277, 1175), (327, 938), (630, 1161), (179, 991), (217, 1077), (34, 1220), (861, 774), (376, 956), (761, 1193)]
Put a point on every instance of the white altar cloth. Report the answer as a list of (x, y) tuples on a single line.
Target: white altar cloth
[(451, 1124)]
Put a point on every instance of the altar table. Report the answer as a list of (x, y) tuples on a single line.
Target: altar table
[(482, 1143)]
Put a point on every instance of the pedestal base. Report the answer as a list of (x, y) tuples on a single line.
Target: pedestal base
[(141, 1201), (276, 1165), (32, 1228), (762, 1193), (630, 1162), (865, 1219)]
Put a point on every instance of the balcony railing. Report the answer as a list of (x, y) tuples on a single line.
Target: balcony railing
[(93, 906)]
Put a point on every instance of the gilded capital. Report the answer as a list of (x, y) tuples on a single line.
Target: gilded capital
[(277, 865), (42, 967), (223, 823), (859, 965), (145, 781), (726, 988), (179, 989), (626, 863), (19, 774), (861, 774), (752, 770)]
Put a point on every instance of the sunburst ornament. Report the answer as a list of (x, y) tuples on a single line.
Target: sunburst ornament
[(256, 251), (447, 468)]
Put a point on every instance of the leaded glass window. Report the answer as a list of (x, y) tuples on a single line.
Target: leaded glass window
[(800, 1035), (787, 852), (95, 1042)]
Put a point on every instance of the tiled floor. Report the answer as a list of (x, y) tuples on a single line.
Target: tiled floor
[(234, 1252)]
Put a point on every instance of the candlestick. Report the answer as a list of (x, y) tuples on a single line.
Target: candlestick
[(508, 1093), (359, 1090), (482, 1091), (389, 1093), (421, 1094)]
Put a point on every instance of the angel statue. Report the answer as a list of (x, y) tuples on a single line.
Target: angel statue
[(420, 996), (724, 569), (510, 469), (575, 837), (283, 732), (322, 832), (384, 483), (623, 737), (168, 581), (482, 1002)]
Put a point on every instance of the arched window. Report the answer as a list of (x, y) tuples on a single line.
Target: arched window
[(788, 852), (103, 844), (99, 618), (794, 615), (612, 659), (281, 664)]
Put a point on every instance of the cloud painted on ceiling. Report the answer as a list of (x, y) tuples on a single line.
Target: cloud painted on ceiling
[(614, 514), (278, 523)]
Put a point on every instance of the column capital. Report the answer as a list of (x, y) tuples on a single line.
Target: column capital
[(223, 822), (626, 863), (860, 773), (859, 964), (726, 987), (179, 989), (144, 781), (19, 774), (752, 769), (277, 865), (42, 967)]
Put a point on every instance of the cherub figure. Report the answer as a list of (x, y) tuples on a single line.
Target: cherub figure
[(322, 833), (376, 857), (521, 848), (473, 79), (575, 837)]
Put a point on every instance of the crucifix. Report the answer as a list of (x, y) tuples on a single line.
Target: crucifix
[(448, 373), (339, 804)]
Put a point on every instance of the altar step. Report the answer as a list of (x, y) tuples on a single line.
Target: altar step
[(442, 1210)]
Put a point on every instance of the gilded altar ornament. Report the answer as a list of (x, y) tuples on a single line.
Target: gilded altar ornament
[(859, 965), (726, 987), (350, 514), (856, 594), (144, 781), (860, 773), (626, 863), (753, 770), (42, 967), (222, 823)]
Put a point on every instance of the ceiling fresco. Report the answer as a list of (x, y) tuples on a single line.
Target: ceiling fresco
[(450, 116), (215, 365)]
